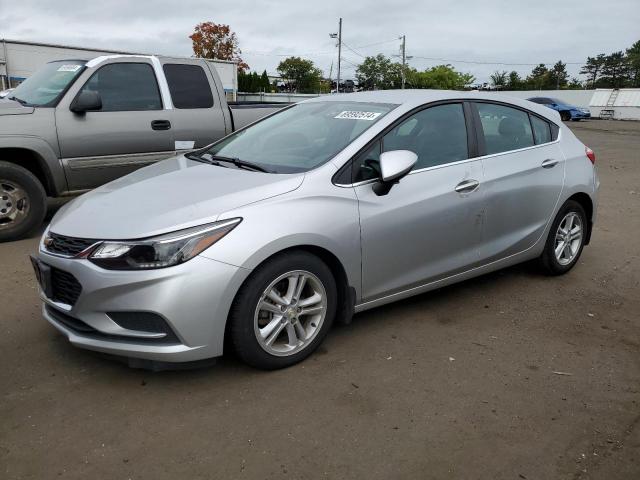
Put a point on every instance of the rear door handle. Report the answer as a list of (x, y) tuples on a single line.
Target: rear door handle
[(160, 124), (549, 163), (467, 186)]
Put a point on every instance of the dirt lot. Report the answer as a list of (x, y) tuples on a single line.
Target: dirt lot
[(458, 383)]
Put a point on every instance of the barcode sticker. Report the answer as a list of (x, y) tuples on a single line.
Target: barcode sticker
[(356, 115), (68, 68)]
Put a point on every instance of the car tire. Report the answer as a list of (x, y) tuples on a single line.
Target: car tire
[(23, 202), (269, 334), (565, 238), (565, 116)]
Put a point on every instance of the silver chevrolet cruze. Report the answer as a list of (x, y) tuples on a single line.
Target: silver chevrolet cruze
[(335, 205)]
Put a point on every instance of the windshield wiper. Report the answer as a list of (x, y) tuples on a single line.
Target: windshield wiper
[(19, 100), (237, 162), (216, 159)]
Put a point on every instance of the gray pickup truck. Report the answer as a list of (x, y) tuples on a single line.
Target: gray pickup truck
[(77, 124)]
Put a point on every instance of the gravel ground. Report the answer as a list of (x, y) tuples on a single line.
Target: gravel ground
[(456, 383)]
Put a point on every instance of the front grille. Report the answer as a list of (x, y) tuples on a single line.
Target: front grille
[(85, 330), (65, 288), (67, 246)]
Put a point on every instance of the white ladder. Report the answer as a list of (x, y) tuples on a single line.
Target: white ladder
[(609, 111)]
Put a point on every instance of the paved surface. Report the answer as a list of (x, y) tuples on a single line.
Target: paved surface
[(457, 383)]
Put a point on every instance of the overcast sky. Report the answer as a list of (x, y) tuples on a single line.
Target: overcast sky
[(508, 31)]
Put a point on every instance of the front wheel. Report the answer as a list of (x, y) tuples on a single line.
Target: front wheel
[(566, 239), (565, 116), (283, 311), (23, 202)]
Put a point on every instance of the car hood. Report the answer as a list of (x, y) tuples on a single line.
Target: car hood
[(11, 107), (170, 195)]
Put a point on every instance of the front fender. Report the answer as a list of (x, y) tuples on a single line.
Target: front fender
[(328, 221), (43, 151)]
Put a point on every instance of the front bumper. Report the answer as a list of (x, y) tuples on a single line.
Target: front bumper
[(193, 299)]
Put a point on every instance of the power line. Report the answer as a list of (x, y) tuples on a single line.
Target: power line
[(475, 62), (357, 53)]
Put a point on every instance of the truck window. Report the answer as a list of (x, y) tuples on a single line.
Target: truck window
[(188, 85), (125, 87)]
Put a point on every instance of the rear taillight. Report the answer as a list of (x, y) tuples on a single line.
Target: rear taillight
[(590, 154)]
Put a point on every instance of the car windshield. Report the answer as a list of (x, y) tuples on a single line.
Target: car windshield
[(43, 88), (558, 101), (301, 137)]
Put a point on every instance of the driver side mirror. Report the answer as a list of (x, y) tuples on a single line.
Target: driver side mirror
[(393, 166), (86, 101)]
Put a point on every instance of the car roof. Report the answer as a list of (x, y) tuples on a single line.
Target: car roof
[(409, 99)]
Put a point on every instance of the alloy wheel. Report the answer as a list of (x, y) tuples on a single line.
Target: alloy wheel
[(290, 313), (568, 238)]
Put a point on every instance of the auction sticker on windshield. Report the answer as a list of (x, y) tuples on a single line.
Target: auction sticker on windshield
[(68, 68), (356, 115)]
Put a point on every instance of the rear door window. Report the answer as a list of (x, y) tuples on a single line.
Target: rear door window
[(188, 85), (504, 128)]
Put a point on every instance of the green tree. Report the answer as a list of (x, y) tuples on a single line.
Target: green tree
[(499, 79), (558, 75), (575, 84), (301, 75), (379, 72), (633, 56), (615, 70), (443, 77), (539, 78), (265, 85), (592, 68), (514, 82)]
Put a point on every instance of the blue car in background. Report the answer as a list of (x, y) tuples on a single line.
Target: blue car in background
[(567, 111)]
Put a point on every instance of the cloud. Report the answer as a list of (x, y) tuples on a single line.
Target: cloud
[(490, 31)]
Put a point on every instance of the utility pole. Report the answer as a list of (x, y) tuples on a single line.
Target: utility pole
[(339, 37), (339, 52), (404, 57)]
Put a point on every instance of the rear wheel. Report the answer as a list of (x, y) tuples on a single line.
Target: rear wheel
[(565, 116), (566, 239), (283, 311), (23, 202)]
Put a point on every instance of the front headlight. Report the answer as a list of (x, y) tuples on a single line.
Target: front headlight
[(161, 251)]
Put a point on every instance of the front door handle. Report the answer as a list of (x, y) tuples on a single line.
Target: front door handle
[(467, 186), (549, 163), (160, 124)]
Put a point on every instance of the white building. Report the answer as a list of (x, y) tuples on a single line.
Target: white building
[(19, 60), (621, 104)]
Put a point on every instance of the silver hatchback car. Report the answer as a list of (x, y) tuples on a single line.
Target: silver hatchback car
[(329, 207)]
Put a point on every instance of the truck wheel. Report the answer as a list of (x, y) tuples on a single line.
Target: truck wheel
[(23, 202)]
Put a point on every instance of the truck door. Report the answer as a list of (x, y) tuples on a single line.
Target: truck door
[(132, 129), (197, 116)]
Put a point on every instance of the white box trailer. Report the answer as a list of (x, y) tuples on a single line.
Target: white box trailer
[(619, 104), (19, 60)]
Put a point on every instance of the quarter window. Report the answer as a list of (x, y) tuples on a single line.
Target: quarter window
[(504, 128), (541, 130), (189, 86), (125, 87)]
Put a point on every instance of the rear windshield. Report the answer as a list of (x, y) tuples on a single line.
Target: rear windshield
[(303, 136)]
